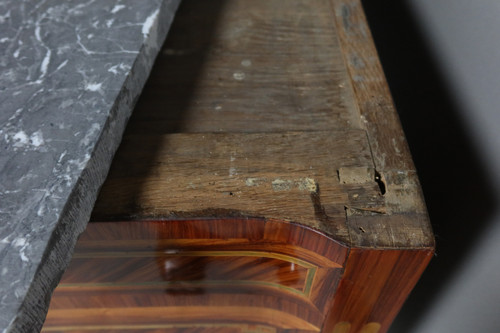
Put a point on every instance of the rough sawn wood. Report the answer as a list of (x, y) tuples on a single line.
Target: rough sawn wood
[(263, 184)]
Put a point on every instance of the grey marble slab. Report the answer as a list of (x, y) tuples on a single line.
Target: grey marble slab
[(70, 73)]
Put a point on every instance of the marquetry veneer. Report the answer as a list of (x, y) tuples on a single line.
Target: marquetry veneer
[(263, 185)]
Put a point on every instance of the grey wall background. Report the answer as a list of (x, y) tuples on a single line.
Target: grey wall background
[(442, 61)]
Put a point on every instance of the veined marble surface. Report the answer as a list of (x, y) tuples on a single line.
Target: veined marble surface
[(70, 73)]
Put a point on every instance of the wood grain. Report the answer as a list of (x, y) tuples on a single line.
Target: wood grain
[(204, 175), (373, 288), (263, 184), (391, 156), (248, 66), (378, 114), (253, 271)]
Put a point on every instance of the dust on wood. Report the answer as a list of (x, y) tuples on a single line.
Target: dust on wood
[(208, 172), (255, 67), (396, 175)]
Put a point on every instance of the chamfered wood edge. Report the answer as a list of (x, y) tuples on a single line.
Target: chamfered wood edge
[(406, 222)]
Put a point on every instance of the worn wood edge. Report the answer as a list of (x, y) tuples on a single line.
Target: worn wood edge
[(403, 225), (377, 111), (390, 151), (324, 203), (398, 195)]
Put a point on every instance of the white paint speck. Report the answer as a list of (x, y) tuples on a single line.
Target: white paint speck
[(146, 27), (5, 39), (117, 8), (232, 170), (254, 181), (92, 86), (240, 76), (395, 145), (16, 53), (307, 184), (218, 108), (110, 22), (246, 63)]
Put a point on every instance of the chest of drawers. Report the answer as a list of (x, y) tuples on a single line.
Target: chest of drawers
[(263, 184)]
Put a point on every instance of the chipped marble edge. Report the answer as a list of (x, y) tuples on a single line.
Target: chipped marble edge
[(26, 312)]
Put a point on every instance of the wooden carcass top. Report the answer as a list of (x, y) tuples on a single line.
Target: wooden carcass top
[(270, 109), (266, 179)]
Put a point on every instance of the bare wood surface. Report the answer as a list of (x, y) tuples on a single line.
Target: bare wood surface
[(408, 222), (257, 67), (257, 112), (283, 176), (372, 94), (249, 66)]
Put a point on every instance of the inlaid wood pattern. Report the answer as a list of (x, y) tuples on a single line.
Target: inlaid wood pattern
[(171, 272), (263, 185), (186, 328)]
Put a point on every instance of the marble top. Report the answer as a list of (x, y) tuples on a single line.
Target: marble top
[(70, 73)]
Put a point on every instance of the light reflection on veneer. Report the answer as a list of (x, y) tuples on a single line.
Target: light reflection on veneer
[(277, 273)]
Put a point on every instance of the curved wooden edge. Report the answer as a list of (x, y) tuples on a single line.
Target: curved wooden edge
[(225, 234), (296, 294)]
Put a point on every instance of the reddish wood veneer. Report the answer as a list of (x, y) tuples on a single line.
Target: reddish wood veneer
[(263, 185)]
